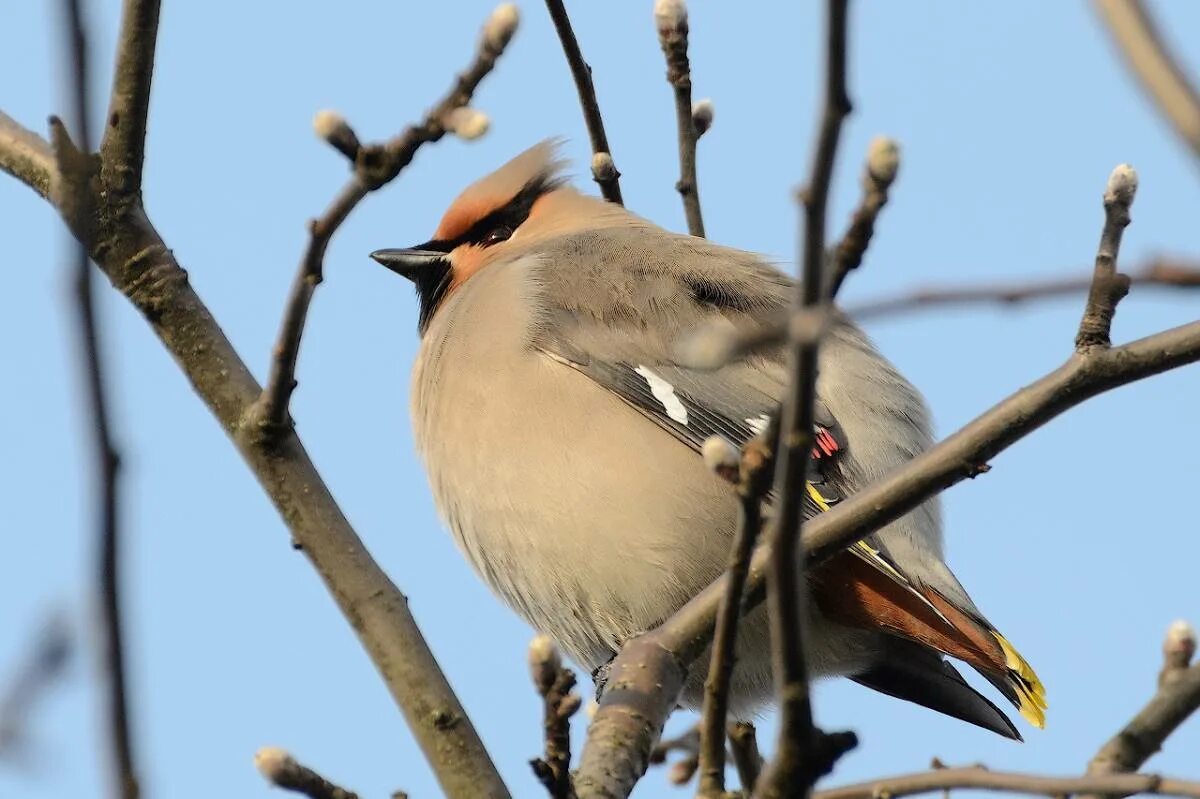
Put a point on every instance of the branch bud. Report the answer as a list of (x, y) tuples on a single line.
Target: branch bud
[(708, 347), (1122, 185), (721, 457), (883, 160), (702, 116), (333, 128), (670, 16), (500, 27), (466, 123), (603, 168), (274, 763), (544, 662)]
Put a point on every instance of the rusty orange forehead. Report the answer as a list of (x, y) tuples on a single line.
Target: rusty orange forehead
[(466, 211)]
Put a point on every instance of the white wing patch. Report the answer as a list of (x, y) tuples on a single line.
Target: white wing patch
[(758, 423), (664, 392)]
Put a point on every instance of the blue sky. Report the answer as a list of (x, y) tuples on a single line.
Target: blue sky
[(1080, 544)]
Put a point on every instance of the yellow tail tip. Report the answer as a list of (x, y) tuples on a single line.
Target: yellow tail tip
[(1031, 694)]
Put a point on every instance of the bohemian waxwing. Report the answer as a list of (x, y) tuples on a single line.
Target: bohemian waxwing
[(561, 432)]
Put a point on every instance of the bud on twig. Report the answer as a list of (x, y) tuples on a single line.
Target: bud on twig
[(500, 27), (721, 457), (670, 16), (603, 167), (333, 128), (883, 160), (466, 123), (1122, 185), (702, 116)]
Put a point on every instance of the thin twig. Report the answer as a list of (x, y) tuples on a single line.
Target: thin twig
[(752, 473), (1146, 53), (554, 683), (25, 155), (649, 670), (604, 170), (671, 19), (374, 166), (883, 161), (42, 668), (1159, 272), (743, 743), (1177, 698), (107, 460), (802, 752), (979, 778), (282, 770), (1108, 285), (123, 147)]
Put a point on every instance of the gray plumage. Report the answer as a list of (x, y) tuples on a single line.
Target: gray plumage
[(560, 433)]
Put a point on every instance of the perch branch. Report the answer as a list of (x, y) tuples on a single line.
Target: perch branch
[(283, 771), (743, 743), (1134, 33), (803, 753), (645, 677), (671, 19), (1109, 286), (604, 170), (73, 189), (374, 166), (979, 778)]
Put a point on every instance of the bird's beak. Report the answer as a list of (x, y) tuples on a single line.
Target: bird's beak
[(408, 262)]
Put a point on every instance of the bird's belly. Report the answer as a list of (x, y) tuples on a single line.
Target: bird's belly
[(581, 514)]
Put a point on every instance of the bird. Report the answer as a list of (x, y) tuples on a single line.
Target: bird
[(561, 426)]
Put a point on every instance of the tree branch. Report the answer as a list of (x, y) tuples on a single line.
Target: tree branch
[(1135, 35), (68, 163), (671, 19), (883, 161), (374, 166), (1177, 698), (121, 239), (743, 743), (26, 156), (979, 778), (604, 170), (282, 770), (123, 147), (1159, 272), (1109, 287), (554, 683), (802, 752), (627, 720), (751, 471)]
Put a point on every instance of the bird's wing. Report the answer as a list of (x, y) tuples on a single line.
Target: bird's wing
[(618, 321)]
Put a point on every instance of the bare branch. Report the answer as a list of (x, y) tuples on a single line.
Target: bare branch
[(282, 770), (671, 19), (604, 170), (554, 683), (751, 472), (44, 666), (687, 745), (1108, 285), (743, 743), (1137, 37), (26, 156), (374, 166), (802, 752), (883, 161), (1159, 272), (123, 148), (979, 778), (113, 225), (1177, 698), (68, 159)]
